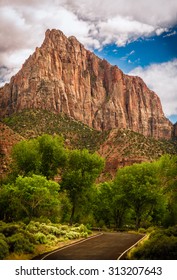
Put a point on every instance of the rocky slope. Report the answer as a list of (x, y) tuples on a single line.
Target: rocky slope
[(119, 147), (7, 139), (63, 77), (124, 147), (175, 130)]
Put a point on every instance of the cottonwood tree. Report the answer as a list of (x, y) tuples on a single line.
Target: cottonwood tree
[(43, 155), (139, 184), (29, 197), (80, 173), (167, 172)]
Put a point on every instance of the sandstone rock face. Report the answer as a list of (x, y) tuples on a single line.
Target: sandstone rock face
[(175, 130), (7, 139), (63, 77)]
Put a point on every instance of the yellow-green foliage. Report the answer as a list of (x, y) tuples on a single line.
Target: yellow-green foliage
[(20, 238)]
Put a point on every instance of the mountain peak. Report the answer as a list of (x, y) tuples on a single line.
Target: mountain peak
[(50, 33), (63, 77)]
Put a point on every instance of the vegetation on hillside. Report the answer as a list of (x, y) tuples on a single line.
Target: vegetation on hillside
[(49, 182), (130, 144), (32, 123)]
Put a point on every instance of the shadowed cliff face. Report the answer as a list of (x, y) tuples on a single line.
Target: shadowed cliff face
[(175, 130), (63, 77)]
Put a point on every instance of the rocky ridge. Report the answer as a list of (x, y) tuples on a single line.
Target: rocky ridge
[(119, 147), (63, 77)]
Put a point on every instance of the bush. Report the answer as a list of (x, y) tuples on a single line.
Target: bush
[(4, 248), (51, 239), (47, 229), (162, 245), (72, 235), (64, 227), (9, 229), (28, 235), (20, 244), (82, 228), (21, 238), (171, 231), (142, 230), (84, 234), (2, 236), (33, 227), (41, 238)]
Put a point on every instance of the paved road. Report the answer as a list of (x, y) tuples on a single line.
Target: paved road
[(107, 246)]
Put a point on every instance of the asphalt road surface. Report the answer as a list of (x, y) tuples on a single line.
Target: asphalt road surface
[(106, 246)]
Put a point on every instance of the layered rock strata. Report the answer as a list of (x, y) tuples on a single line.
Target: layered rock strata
[(63, 77)]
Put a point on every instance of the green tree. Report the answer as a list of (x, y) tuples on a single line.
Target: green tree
[(43, 155), (8, 203), (120, 205), (167, 166), (29, 197), (103, 204), (111, 204), (139, 184), (82, 170), (167, 173), (52, 155), (25, 158)]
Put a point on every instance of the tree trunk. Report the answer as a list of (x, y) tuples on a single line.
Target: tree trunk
[(138, 221), (72, 213)]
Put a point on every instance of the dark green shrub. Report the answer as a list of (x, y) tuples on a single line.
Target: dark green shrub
[(171, 231), (33, 227), (4, 249), (2, 236), (9, 229), (20, 244), (28, 235), (158, 247)]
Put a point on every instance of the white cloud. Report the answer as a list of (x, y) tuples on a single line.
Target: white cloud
[(151, 12), (170, 34), (127, 56), (161, 78), (122, 30), (94, 23), (23, 28)]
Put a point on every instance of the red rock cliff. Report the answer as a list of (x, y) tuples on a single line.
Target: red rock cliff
[(62, 76)]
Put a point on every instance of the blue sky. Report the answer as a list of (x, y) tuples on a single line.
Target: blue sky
[(156, 50), (138, 36), (142, 52)]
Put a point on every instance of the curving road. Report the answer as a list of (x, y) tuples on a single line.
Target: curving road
[(106, 246)]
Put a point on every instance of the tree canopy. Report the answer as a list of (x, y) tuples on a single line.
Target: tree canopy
[(80, 173), (43, 155), (29, 197)]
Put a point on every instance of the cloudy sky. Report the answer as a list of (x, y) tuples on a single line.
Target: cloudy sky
[(138, 36)]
